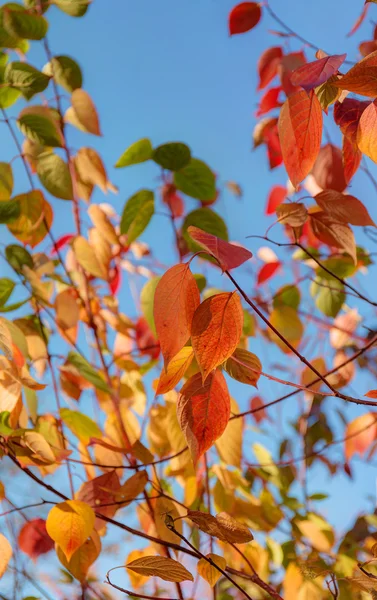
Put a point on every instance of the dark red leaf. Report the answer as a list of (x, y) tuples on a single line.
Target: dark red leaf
[(230, 256), (267, 271), (269, 101), (315, 73), (268, 65), (244, 17), (34, 540)]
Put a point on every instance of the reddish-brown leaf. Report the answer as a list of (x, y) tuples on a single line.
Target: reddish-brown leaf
[(257, 405), (344, 208), (175, 301), (347, 116), (362, 78), (315, 73), (367, 132), (244, 17), (360, 434), (275, 157), (34, 540), (333, 233), (262, 130), (223, 527), (293, 214), (268, 65), (328, 170), (216, 330), (244, 366), (300, 132), (359, 20), (366, 48), (98, 491), (289, 63), (145, 340), (277, 195), (203, 411), (269, 101), (267, 271), (228, 255), (351, 159)]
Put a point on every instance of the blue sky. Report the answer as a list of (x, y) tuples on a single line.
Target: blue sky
[(168, 70)]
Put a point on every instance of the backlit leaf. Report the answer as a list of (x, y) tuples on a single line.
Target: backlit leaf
[(137, 213), (85, 111), (98, 491), (5, 554), (160, 566), (25, 78), (361, 78), (83, 427), (244, 366), (316, 73), (6, 288), (25, 24), (41, 125), (243, 17), (6, 181), (175, 302), (329, 299), (286, 320), (9, 211), (229, 444), (293, 214), (35, 219), (54, 175), (300, 132), (216, 330), (230, 256), (196, 180), (360, 434), (39, 446), (366, 131), (81, 560), (333, 232), (268, 65), (87, 371), (138, 152), (208, 571), (73, 8), (87, 258), (69, 524), (175, 370), (65, 71), (207, 220), (277, 195), (344, 208), (328, 170), (203, 412), (223, 527)]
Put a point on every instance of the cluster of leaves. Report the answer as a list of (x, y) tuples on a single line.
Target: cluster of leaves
[(160, 380)]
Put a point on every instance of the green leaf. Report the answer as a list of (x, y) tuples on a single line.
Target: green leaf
[(26, 79), (9, 211), (81, 426), (288, 295), (205, 219), (136, 214), (87, 371), (6, 288), (41, 125), (6, 181), (196, 180), (17, 256), (7, 39), (8, 95), (200, 281), (54, 175), (15, 306), (73, 8), (147, 300), (24, 24), (342, 266), (65, 71), (138, 152), (329, 296), (172, 156)]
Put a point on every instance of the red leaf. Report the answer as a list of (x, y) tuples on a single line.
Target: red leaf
[(145, 340), (115, 280), (175, 302), (347, 116), (351, 159), (277, 195), (173, 200), (61, 242), (361, 79), (315, 73), (269, 101), (203, 411), (300, 132), (359, 20), (267, 271), (289, 63), (244, 17), (268, 65), (229, 255), (275, 157), (257, 403), (34, 540), (328, 170), (366, 48)]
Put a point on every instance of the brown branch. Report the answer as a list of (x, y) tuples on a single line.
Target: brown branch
[(133, 594)]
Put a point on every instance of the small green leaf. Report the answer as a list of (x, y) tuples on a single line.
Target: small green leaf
[(81, 426), (24, 24), (200, 281), (15, 306), (26, 79), (54, 175), (87, 371), (41, 125), (73, 8), (6, 288), (65, 71), (17, 256), (136, 214), (138, 152), (147, 300), (8, 95), (172, 156), (329, 296), (288, 295), (196, 180), (205, 219), (6, 181), (9, 211)]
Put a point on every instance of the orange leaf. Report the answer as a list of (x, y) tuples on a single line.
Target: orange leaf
[(351, 159), (244, 366), (366, 131), (362, 78), (203, 411), (69, 524), (328, 170), (244, 17), (332, 232), (229, 255), (175, 370), (371, 394), (216, 330), (344, 208), (360, 434), (347, 116), (300, 131), (268, 65), (269, 101), (175, 301), (316, 73), (223, 527)]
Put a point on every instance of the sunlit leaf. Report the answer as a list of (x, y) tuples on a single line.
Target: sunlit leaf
[(208, 571), (160, 566), (243, 17), (69, 524), (137, 213)]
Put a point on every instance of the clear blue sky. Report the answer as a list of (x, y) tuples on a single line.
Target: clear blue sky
[(169, 71)]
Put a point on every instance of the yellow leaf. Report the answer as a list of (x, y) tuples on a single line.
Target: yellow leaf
[(165, 568), (36, 213), (287, 322), (80, 562), (208, 571), (175, 370), (102, 223), (229, 445), (2, 491), (85, 111), (136, 579), (292, 581), (320, 540), (69, 524), (91, 169), (132, 488), (86, 257), (5, 554), (37, 443), (67, 309)]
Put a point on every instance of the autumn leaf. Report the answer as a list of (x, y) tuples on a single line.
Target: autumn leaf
[(244, 366), (300, 132), (328, 170), (371, 394), (69, 524), (33, 538), (276, 196), (267, 271), (208, 571), (85, 111), (366, 131), (361, 79), (359, 435), (203, 411), (160, 566), (244, 17), (223, 527), (229, 255), (216, 330), (293, 214), (344, 208), (101, 490), (5, 554), (175, 370), (175, 302), (316, 73), (81, 561), (268, 65)]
